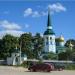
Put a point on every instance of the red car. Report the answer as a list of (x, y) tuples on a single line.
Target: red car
[(41, 67)]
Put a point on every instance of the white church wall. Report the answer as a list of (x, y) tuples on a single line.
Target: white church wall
[(51, 46)]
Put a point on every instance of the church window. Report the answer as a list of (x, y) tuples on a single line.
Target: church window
[(47, 41), (50, 38), (47, 38)]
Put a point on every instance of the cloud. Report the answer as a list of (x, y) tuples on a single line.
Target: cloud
[(54, 8), (12, 32), (57, 7), (9, 25), (30, 12), (35, 14), (10, 28)]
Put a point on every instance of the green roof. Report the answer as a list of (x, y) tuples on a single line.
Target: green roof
[(49, 32)]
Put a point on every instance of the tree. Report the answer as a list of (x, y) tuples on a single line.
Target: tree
[(72, 41), (26, 44), (50, 55), (38, 45), (69, 51), (1, 49), (8, 45)]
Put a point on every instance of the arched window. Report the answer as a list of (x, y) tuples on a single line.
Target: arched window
[(50, 38), (46, 40), (51, 41)]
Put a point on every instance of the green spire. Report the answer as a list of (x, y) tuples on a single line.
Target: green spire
[(49, 30), (49, 21)]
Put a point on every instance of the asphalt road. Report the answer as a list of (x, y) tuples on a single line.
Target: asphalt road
[(7, 70)]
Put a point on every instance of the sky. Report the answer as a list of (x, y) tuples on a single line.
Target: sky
[(20, 16)]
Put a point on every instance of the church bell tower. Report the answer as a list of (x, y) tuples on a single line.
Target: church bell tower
[(49, 37)]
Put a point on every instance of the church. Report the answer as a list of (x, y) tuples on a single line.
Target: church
[(51, 43)]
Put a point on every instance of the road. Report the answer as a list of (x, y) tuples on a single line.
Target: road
[(7, 70)]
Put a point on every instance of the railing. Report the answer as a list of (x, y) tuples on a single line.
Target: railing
[(3, 62), (53, 61)]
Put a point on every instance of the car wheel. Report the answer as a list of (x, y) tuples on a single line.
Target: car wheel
[(34, 70), (48, 70)]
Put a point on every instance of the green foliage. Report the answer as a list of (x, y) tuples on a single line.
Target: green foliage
[(38, 45), (40, 61), (26, 44), (70, 67), (32, 46), (50, 55), (24, 64), (69, 53), (7, 46), (68, 43)]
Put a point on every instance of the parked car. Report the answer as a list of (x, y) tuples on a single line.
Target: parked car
[(41, 67), (57, 66)]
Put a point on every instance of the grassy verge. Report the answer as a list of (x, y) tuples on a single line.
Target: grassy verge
[(70, 67)]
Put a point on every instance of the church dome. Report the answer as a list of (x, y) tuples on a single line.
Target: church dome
[(61, 38)]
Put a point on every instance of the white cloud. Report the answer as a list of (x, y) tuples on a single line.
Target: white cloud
[(54, 8), (35, 14), (28, 12), (9, 26), (12, 32), (57, 7)]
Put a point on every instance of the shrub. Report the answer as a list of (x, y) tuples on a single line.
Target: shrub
[(70, 67)]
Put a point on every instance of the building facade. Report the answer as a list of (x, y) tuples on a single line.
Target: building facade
[(49, 37), (51, 43)]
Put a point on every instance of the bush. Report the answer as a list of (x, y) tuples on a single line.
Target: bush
[(70, 67), (24, 64), (40, 61)]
